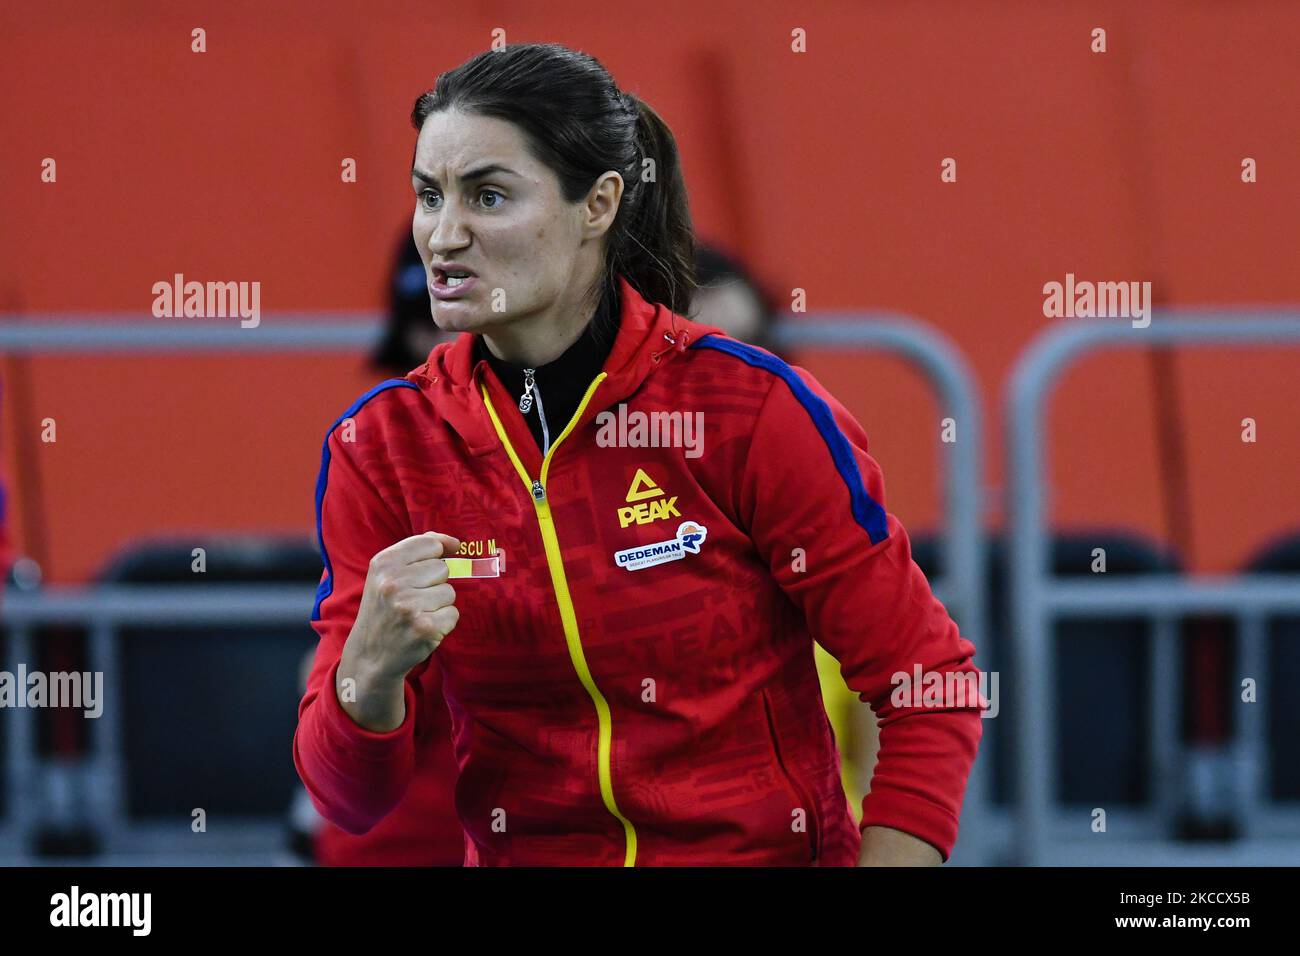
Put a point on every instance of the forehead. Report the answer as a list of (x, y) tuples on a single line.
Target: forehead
[(452, 141)]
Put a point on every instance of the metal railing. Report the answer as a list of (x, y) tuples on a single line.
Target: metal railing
[(104, 609), (1037, 598)]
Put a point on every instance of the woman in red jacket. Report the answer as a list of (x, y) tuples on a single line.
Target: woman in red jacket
[(647, 523)]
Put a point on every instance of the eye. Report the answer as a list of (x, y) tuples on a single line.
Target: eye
[(425, 196), (491, 192)]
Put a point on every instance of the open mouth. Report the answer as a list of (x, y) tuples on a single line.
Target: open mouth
[(451, 278), (451, 283)]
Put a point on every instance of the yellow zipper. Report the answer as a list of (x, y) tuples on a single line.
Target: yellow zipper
[(537, 489)]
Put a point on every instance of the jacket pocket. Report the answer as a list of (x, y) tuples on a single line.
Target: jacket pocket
[(803, 800)]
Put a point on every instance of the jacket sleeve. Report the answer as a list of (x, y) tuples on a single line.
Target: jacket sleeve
[(810, 484), (354, 776)]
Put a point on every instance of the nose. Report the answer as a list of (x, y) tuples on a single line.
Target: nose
[(449, 232)]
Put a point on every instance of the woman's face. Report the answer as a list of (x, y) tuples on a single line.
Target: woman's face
[(484, 203)]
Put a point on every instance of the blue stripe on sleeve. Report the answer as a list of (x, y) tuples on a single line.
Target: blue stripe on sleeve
[(326, 587), (866, 510)]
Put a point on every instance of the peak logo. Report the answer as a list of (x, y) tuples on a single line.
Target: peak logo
[(690, 536), (642, 507)]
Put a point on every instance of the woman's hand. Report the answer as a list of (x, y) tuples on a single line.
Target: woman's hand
[(885, 846), (407, 608)]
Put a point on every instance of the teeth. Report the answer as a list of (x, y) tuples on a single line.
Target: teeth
[(456, 280)]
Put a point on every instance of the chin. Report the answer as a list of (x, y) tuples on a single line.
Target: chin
[(460, 317)]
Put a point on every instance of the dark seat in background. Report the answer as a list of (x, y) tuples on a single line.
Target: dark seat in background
[(209, 711), (1102, 665), (1278, 695)]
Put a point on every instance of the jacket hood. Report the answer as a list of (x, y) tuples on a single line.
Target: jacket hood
[(650, 337)]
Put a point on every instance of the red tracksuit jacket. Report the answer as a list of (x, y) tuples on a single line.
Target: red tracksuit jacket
[(421, 829), (637, 684)]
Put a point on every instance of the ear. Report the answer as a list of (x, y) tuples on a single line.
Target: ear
[(601, 206)]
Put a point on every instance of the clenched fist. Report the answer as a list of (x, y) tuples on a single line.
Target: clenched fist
[(407, 608)]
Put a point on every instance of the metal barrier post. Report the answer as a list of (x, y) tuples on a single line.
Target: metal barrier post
[(20, 770), (1037, 598), (1250, 749)]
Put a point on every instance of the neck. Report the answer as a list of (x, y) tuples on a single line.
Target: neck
[(539, 339)]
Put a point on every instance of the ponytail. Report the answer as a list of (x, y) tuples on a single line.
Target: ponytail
[(653, 245)]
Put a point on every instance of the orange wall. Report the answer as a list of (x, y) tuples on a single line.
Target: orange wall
[(821, 169)]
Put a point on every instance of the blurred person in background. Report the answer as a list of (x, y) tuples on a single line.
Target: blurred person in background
[(730, 298), (409, 334)]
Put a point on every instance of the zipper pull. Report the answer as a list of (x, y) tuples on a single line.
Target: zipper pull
[(539, 493), (526, 400)]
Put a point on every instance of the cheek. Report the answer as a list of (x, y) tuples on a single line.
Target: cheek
[(551, 250), (535, 254), (523, 252)]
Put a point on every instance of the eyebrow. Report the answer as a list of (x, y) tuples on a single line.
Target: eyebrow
[(472, 174)]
